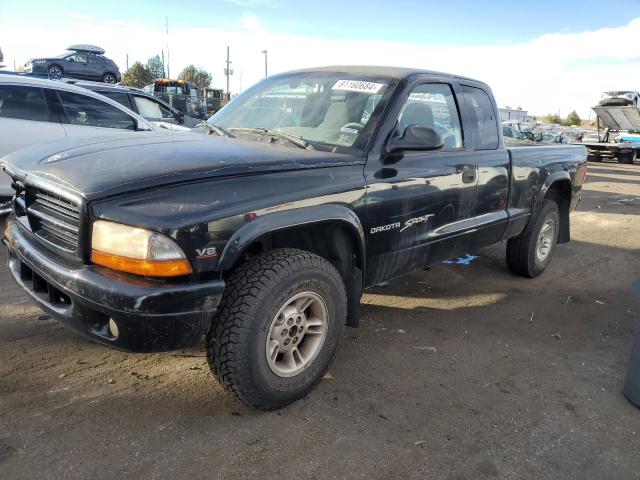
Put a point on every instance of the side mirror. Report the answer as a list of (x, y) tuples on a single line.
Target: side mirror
[(416, 138)]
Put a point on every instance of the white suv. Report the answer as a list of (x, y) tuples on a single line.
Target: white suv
[(34, 110)]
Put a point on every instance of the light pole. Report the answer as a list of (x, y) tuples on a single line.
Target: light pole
[(166, 23), (266, 74), (228, 72)]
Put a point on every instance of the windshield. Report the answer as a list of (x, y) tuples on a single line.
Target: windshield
[(334, 109)]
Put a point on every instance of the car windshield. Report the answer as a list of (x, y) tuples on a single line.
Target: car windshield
[(332, 109)]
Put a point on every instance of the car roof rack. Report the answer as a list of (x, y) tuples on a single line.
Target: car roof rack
[(85, 48)]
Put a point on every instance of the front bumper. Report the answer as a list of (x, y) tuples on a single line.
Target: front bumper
[(150, 315)]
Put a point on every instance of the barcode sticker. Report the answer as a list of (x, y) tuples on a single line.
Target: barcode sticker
[(357, 86)]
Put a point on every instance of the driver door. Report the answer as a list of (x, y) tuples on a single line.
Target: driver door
[(420, 203)]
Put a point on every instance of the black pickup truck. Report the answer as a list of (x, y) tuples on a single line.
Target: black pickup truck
[(312, 186)]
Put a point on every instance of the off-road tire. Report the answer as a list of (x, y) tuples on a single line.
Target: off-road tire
[(254, 293), (521, 250)]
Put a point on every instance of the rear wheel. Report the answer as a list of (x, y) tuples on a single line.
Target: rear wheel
[(630, 158), (529, 253), (55, 71), (109, 78), (277, 327)]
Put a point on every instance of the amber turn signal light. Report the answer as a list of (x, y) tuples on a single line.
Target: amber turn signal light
[(147, 268)]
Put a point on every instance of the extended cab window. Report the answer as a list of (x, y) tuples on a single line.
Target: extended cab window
[(433, 105), (91, 112), (484, 118), (23, 103)]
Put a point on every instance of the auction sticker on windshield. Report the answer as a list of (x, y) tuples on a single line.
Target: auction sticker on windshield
[(357, 86)]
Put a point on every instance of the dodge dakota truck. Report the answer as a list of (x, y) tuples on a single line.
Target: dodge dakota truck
[(262, 235)]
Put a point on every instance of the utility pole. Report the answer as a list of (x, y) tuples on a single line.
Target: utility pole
[(166, 23), (266, 73), (228, 72), (127, 61)]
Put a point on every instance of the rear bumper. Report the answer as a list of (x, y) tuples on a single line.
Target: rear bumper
[(150, 315)]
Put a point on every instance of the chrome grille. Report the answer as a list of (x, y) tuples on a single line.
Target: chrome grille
[(54, 218)]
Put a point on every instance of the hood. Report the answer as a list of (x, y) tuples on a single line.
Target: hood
[(111, 166)]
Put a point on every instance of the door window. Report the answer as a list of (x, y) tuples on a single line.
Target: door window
[(23, 103), (484, 121), (120, 97), (433, 105), (151, 109), (77, 57), (91, 112)]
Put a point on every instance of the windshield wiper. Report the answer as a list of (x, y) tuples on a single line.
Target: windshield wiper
[(215, 129), (294, 139)]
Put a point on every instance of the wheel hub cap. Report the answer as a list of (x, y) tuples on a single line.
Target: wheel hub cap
[(545, 240), (296, 334)]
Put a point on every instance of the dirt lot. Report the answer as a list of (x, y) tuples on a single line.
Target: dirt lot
[(462, 372)]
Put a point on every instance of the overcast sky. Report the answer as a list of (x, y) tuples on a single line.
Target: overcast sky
[(543, 56)]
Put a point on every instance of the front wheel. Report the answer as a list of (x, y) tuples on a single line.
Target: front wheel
[(277, 327), (55, 72), (530, 253)]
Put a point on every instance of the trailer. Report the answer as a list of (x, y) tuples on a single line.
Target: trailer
[(617, 120)]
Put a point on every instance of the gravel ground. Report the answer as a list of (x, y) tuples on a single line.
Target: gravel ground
[(457, 373)]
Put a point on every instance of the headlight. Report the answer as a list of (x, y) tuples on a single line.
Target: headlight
[(136, 250), (38, 62)]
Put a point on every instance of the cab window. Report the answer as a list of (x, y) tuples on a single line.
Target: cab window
[(91, 112), (433, 105)]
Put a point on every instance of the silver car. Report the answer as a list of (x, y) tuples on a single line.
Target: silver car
[(35, 110)]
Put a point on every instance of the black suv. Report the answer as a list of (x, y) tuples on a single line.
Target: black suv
[(82, 61)]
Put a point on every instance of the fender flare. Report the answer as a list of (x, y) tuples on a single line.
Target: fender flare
[(564, 177), (284, 219), (561, 176)]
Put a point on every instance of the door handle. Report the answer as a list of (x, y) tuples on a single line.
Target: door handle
[(468, 176)]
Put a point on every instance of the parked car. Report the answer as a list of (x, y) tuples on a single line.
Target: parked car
[(264, 237), (34, 110), (550, 136), (141, 102), (82, 61), (621, 98)]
